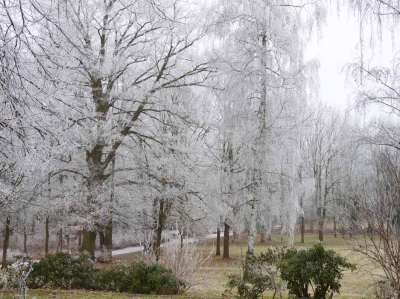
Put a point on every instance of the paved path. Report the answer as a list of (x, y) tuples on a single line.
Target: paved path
[(141, 248)]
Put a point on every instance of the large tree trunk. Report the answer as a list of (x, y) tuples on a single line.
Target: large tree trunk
[(226, 240), (218, 241), (6, 242), (89, 242)]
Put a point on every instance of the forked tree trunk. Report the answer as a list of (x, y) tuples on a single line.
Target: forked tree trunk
[(226, 241), (218, 242), (6, 242)]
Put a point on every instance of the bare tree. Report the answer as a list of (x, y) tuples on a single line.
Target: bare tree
[(376, 210)]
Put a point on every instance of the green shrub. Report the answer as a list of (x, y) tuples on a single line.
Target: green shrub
[(150, 279), (261, 273), (315, 267), (110, 278), (64, 271)]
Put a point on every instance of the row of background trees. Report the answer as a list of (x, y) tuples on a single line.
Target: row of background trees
[(138, 116)]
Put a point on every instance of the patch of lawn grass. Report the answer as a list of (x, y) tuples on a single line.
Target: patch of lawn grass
[(354, 284)]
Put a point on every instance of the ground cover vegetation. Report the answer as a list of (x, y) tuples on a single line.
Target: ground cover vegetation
[(150, 123)]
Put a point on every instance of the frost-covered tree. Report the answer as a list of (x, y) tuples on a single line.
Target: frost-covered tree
[(325, 146), (103, 65), (263, 43)]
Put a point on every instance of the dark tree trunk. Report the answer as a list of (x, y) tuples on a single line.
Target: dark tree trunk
[(80, 238), (89, 242), (159, 229), (108, 237), (262, 235), (321, 224), (60, 241), (334, 227), (101, 239), (218, 241), (25, 240), (6, 242), (226, 241), (47, 236), (302, 228)]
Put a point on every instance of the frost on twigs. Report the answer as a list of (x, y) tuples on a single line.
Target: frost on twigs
[(185, 260), (13, 278)]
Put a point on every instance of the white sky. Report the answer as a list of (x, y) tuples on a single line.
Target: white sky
[(337, 47)]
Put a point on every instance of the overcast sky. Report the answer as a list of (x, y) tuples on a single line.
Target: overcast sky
[(337, 47)]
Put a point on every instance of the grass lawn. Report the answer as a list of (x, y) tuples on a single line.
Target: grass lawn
[(354, 284)]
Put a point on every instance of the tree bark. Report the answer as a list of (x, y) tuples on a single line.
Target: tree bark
[(321, 223), (159, 229), (6, 242), (60, 241), (218, 242), (80, 238), (108, 239), (334, 227), (89, 242), (252, 228), (226, 241), (302, 228), (25, 240), (262, 235), (47, 236)]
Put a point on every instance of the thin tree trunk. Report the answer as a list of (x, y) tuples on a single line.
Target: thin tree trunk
[(262, 234), (108, 239), (334, 227), (67, 237), (6, 242), (25, 240), (218, 242), (252, 228), (159, 229), (302, 228), (101, 239), (226, 241), (60, 241), (47, 236), (321, 224), (80, 238)]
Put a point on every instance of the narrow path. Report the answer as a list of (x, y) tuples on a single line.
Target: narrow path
[(141, 248)]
